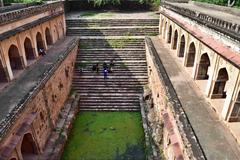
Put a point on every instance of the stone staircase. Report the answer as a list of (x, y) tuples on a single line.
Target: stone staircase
[(121, 91), (112, 27)]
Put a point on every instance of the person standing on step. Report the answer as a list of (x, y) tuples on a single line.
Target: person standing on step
[(111, 66), (105, 73), (105, 67), (97, 67)]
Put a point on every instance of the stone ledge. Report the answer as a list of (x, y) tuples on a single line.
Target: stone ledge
[(9, 17), (188, 136), (30, 82)]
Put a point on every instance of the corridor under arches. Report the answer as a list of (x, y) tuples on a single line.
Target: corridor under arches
[(191, 55), (182, 47), (169, 35), (175, 40), (48, 37), (29, 51), (3, 76), (202, 73), (15, 59), (39, 40)]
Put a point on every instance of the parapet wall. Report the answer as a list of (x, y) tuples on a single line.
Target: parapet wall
[(20, 17), (179, 139), (229, 29)]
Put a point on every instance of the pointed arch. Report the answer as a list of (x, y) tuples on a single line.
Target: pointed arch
[(29, 51), (235, 114), (175, 39), (182, 47), (220, 83), (165, 30), (203, 67), (39, 40), (28, 147), (15, 58), (169, 34), (61, 28), (3, 76), (48, 36), (191, 55), (57, 33)]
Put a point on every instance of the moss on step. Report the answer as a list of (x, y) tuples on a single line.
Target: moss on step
[(106, 135)]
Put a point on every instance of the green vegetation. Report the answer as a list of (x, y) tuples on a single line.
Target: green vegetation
[(220, 2), (100, 3), (21, 1), (106, 135), (120, 43), (96, 14)]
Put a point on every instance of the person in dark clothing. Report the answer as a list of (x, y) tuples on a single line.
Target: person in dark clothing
[(111, 66), (97, 67), (94, 68), (42, 52), (105, 67), (105, 73)]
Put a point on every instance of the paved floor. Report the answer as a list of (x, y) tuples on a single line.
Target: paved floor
[(211, 11), (215, 139), (112, 15)]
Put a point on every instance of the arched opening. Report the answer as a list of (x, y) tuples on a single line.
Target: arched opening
[(29, 52), (56, 30), (28, 147), (219, 86), (164, 30), (235, 115), (203, 67), (40, 44), (169, 35), (62, 28), (3, 76), (182, 47), (191, 55), (175, 39), (48, 36), (15, 59)]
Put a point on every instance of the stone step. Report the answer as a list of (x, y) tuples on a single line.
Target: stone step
[(80, 90), (111, 22), (115, 74), (113, 31), (88, 83), (108, 94), (110, 103), (109, 98), (110, 109)]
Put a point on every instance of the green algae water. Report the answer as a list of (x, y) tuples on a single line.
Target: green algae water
[(106, 136)]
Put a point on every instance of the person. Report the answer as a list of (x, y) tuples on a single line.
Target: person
[(97, 67), (105, 67), (94, 68), (42, 52), (111, 66), (105, 73)]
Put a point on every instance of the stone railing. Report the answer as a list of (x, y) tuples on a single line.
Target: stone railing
[(29, 11), (220, 25)]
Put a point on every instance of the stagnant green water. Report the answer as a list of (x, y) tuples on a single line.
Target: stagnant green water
[(106, 136)]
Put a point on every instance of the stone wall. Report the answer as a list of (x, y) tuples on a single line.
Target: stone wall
[(179, 140), (41, 110)]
